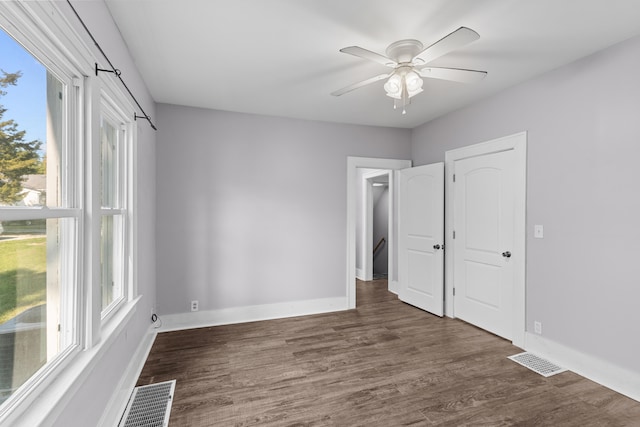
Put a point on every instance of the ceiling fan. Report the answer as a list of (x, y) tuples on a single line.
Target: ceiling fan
[(410, 62)]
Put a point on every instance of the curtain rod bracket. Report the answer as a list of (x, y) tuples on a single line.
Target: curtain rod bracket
[(147, 118), (114, 71)]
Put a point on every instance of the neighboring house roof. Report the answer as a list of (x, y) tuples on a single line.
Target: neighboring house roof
[(35, 182)]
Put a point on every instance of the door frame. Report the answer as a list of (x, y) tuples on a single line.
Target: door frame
[(353, 163), (518, 143), (367, 224)]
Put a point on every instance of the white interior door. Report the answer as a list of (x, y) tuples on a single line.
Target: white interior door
[(484, 241), (421, 237)]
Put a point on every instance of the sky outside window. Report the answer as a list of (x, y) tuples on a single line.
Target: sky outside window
[(26, 102)]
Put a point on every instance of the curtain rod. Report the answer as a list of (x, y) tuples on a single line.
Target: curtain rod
[(113, 70)]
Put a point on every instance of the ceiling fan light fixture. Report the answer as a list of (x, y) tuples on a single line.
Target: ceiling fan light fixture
[(414, 83), (402, 85), (393, 86)]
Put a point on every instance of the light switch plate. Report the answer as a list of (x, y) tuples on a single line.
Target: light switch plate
[(538, 231)]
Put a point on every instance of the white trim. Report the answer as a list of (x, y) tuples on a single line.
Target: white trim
[(353, 163), (119, 399), (45, 32), (132, 211), (621, 380), (45, 404), (392, 268), (92, 295), (251, 313), (12, 213), (360, 274), (518, 143), (367, 224), (394, 287)]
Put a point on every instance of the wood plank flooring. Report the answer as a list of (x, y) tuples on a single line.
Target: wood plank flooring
[(384, 364)]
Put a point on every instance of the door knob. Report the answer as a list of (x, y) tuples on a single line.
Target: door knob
[(506, 254), (436, 247)]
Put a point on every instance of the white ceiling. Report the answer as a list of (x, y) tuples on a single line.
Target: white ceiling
[(281, 57)]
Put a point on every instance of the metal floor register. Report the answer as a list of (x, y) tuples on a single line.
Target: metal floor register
[(149, 405), (537, 364)]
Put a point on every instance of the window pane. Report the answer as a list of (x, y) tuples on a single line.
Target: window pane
[(108, 164), (111, 259), (31, 117), (30, 298)]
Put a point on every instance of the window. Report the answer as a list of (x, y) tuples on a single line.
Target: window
[(113, 203), (66, 203), (38, 246)]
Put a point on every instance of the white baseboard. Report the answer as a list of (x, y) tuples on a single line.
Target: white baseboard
[(621, 380), (360, 274), (253, 313), (394, 286), (118, 402)]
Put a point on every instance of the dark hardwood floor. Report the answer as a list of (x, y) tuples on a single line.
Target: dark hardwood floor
[(384, 364)]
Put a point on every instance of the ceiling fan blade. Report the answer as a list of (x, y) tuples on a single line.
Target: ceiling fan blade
[(360, 84), (460, 37), (454, 74), (367, 54)]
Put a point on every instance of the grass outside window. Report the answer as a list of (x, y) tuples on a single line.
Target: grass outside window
[(23, 265)]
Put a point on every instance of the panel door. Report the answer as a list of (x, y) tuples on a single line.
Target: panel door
[(421, 237), (483, 245)]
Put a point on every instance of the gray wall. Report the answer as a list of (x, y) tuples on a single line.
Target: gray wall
[(252, 209), (97, 388), (583, 123)]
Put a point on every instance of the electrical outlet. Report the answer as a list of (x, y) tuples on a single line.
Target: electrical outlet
[(537, 327), (194, 305)]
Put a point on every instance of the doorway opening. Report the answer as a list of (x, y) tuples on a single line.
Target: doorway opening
[(380, 207), (374, 230), (355, 173)]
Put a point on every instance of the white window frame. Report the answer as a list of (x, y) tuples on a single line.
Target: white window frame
[(45, 32), (113, 112), (71, 202)]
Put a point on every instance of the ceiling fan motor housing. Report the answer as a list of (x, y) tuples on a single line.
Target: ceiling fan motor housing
[(403, 51)]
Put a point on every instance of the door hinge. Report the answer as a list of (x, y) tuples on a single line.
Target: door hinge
[(454, 177), (58, 327), (454, 234), (454, 292)]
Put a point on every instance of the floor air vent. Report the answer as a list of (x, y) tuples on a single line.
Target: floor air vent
[(537, 364), (149, 406)]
